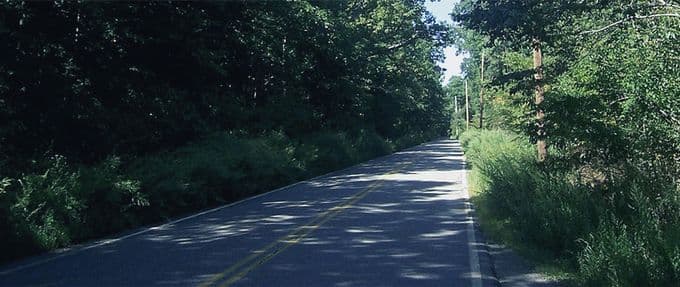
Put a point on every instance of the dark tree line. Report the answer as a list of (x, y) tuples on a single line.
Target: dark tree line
[(115, 114), (89, 79)]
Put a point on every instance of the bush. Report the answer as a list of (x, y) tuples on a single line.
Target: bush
[(369, 144), (109, 198), (636, 247), (47, 207), (63, 204), (324, 152), (626, 233), (219, 168), (66, 204), (545, 208)]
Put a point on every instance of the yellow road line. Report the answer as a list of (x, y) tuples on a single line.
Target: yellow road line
[(263, 255), (309, 229), (259, 253)]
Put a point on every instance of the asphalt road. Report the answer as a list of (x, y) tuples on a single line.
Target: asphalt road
[(400, 220)]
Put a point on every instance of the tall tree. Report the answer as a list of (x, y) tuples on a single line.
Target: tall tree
[(481, 92), (518, 23)]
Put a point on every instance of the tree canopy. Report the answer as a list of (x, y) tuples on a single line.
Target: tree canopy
[(606, 200), (89, 79), (116, 114)]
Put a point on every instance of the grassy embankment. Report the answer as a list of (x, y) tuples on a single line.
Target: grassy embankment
[(61, 204), (620, 233)]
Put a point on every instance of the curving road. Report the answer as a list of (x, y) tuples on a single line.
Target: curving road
[(399, 220)]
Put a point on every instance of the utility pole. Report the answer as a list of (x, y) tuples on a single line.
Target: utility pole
[(455, 115), (467, 107), (455, 104), (481, 94), (283, 53), (541, 145)]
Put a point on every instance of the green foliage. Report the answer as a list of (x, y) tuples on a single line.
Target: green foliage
[(162, 108), (455, 91), (179, 71), (219, 168), (623, 233), (610, 95), (636, 247), (108, 196), (545, 209), (518, 22), (611, 102), (47, 205), (62, 204)]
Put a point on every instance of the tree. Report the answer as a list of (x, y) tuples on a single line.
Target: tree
[(519, 23)]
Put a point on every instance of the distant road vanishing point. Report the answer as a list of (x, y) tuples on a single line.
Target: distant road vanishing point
[(400, 220)]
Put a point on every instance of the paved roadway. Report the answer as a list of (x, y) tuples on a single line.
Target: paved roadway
[(399, 220)]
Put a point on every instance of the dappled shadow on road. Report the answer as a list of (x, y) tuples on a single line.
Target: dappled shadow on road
[(406, 233), (411, 229)]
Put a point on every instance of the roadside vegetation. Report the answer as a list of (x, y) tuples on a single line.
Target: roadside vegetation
[(116, 115), (65, 203), (624, 233), (576, 157)]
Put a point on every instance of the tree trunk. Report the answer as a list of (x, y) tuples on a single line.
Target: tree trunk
[(481, 94), (467, 108), (455, 114), (541, 145)]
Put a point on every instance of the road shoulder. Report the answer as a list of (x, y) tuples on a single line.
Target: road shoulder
[(499, 264), (513, 270)]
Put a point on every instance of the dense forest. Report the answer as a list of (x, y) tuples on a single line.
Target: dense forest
[(574, 133), (114, 115)]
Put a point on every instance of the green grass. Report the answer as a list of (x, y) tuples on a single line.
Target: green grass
[(501, 230), (621, 234)]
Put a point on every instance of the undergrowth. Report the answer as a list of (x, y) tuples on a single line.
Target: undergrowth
[(624, 233), (60, 203)]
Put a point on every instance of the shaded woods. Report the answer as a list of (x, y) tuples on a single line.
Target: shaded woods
[(114, 115), (602, 204)]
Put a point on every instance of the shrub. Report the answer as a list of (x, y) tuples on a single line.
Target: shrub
[(109, 198), (47, 208), (218, 168), (60, 204), (638, 247), (64, 204), (223, 167), (545, 208), (625, 233), (369, 144), (326, 151)]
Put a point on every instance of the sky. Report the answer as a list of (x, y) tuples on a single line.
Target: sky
[(441, 10)]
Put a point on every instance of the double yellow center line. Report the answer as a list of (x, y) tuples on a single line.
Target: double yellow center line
[(241, 268)]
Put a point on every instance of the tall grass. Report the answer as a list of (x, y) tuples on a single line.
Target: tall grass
[(61, 204), (623, 234)]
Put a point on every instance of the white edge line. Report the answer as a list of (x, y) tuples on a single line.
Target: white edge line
[(475, 273), (75, 250)]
